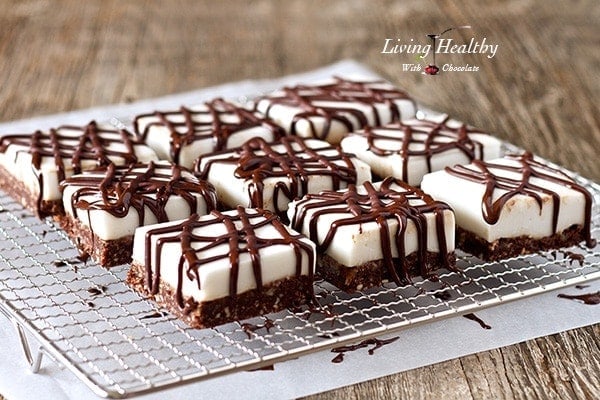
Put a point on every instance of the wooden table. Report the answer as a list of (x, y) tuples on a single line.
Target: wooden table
[(540, 91)]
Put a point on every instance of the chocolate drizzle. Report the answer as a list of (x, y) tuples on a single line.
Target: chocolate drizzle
[(156, 314), (292, 161), (587, 298), (141, 186), (249, 328), (70, 146), (218, 120), (443, 295), (375, 342), (527, 169), (338, 102), (473, 317), (421, 138), (242, 236), (393, 201)]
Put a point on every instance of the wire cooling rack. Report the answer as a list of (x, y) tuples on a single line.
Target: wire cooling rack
[(120, 345)]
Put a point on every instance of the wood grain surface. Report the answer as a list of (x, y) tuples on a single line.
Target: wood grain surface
[(540, 91)]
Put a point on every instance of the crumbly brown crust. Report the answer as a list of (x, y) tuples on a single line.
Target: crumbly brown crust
[(516, 246), (107, 253), (374, 273), (21, 193), (276, 296)]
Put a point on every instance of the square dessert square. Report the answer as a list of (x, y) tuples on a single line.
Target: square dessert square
[(270, 175), (223, 267), (370, 234), (330, 109), (103, 207), (183, 135), (33, 165), (412, 148), (513, 205)]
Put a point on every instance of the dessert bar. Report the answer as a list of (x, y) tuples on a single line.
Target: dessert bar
[(331, 109), (33, 165), (104, 207), (512, 206), (183, 135), (412, 148), (374, 233), (224, 266), (269, 176)]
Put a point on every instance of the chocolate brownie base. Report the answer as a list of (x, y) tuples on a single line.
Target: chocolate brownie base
[(107, 253), (374, 273), (21, 193), (513, 247), (276, 296)]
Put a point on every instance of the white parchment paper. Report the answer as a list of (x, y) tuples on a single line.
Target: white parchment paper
[(428, 344)]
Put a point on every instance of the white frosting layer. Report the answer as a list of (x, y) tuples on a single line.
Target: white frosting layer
[(158, 135), (357, 244), (17, 160), (392, 164), (233, 191), (284, 114), (520, 215), (277, 261), (109, 227)]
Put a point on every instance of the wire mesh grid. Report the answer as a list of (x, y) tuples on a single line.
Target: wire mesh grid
[(120, 345)]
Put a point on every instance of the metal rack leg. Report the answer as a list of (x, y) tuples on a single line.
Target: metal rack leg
[(34, 363)]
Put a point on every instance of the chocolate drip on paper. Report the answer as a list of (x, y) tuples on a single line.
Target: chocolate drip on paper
[(527, 169), (473, 317), (587, 298), (292, 160), (240, 237), (69, 150), (381, 206), (422, 138), (310, 99), (375, 342), (141, 186), (215, 122)]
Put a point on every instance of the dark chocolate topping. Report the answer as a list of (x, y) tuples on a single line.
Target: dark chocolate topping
[(527, 168), (69, 149), (117, 189), (240, 237), (422, 138), (380, 206), (309, 99), (196, 126), (292, 161)]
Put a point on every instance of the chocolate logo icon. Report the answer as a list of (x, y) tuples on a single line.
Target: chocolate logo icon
[(433, 69)]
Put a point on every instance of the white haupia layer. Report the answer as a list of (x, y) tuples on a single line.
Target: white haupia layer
[(109, 227), (392, 164), (277, 261), (18, 161), (357, 244), (158, 136), (284, 114), (520, 216), (233, 191)]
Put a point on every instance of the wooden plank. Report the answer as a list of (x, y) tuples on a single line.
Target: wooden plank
[(562, 366)]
